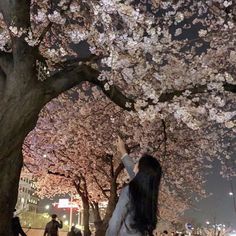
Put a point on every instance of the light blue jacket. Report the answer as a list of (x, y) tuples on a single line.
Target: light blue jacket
[(122, 218)]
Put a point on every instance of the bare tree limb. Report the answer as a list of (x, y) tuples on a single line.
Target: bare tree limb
[(100, 187), (45, 30), (118, 170), (58, 174), (67, 79)]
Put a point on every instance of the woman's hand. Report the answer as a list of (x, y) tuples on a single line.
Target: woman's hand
[(121, 146)]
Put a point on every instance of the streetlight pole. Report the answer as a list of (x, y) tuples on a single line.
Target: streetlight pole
[(233, 194), (71, 213)]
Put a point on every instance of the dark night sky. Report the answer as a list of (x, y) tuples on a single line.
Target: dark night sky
[(219, 205)]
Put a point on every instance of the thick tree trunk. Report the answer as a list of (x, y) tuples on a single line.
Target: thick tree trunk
[(18, 115), (87, 231), (9, 180), (102, 225), (96, 217)]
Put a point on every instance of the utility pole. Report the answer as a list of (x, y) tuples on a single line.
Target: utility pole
[(232, 189), (71, 213)]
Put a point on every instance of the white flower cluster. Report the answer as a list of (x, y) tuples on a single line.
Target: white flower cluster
[(57, 18), (227, 3), (4, 39), (74, 7), (221, 117), (202, 33), (18, 32), (31, 40), (77, 36), (40, 17), (181, 114)]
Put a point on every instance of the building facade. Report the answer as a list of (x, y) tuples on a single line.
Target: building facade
[(27, 199)]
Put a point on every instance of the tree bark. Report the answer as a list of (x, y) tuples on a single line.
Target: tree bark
[(102, 225), (20, 104), (87, 231), (16, 121), (9, 180), (96, 215)]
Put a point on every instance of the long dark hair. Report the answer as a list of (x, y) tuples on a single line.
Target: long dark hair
[(144, 190)]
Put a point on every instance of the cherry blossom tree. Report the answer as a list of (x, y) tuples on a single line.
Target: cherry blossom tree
[(67, 142), (168, 58)]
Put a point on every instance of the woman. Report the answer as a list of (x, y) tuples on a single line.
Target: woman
[(16, 226), (136, 211)]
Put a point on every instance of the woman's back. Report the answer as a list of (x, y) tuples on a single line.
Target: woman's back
[(136, 211), (122, 218)]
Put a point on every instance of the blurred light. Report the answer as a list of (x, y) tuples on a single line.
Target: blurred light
[(79, 227), (231, 194), (66, 222), (44, 155), (64, 216), (47, 207), (207, 222)]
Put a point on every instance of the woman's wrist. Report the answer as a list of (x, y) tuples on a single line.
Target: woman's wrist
[(123, 155)]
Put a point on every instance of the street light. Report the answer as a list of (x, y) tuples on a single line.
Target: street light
[(47, 207)]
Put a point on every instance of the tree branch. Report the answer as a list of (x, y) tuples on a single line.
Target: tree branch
[(118, 170), (67, 79), (100, 186), (114, 94), (165, 97), (58, 174), (127, 103), (73, 75), (16, 13), (48, 27), (77, 186), (45, 30)]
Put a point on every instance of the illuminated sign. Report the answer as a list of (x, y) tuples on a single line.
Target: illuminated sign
[(65, 203)]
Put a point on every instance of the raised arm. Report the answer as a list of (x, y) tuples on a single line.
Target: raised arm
[(60, 224), (126, 159), (129, 165)]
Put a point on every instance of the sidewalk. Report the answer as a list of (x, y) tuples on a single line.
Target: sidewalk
[(39, 232)]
